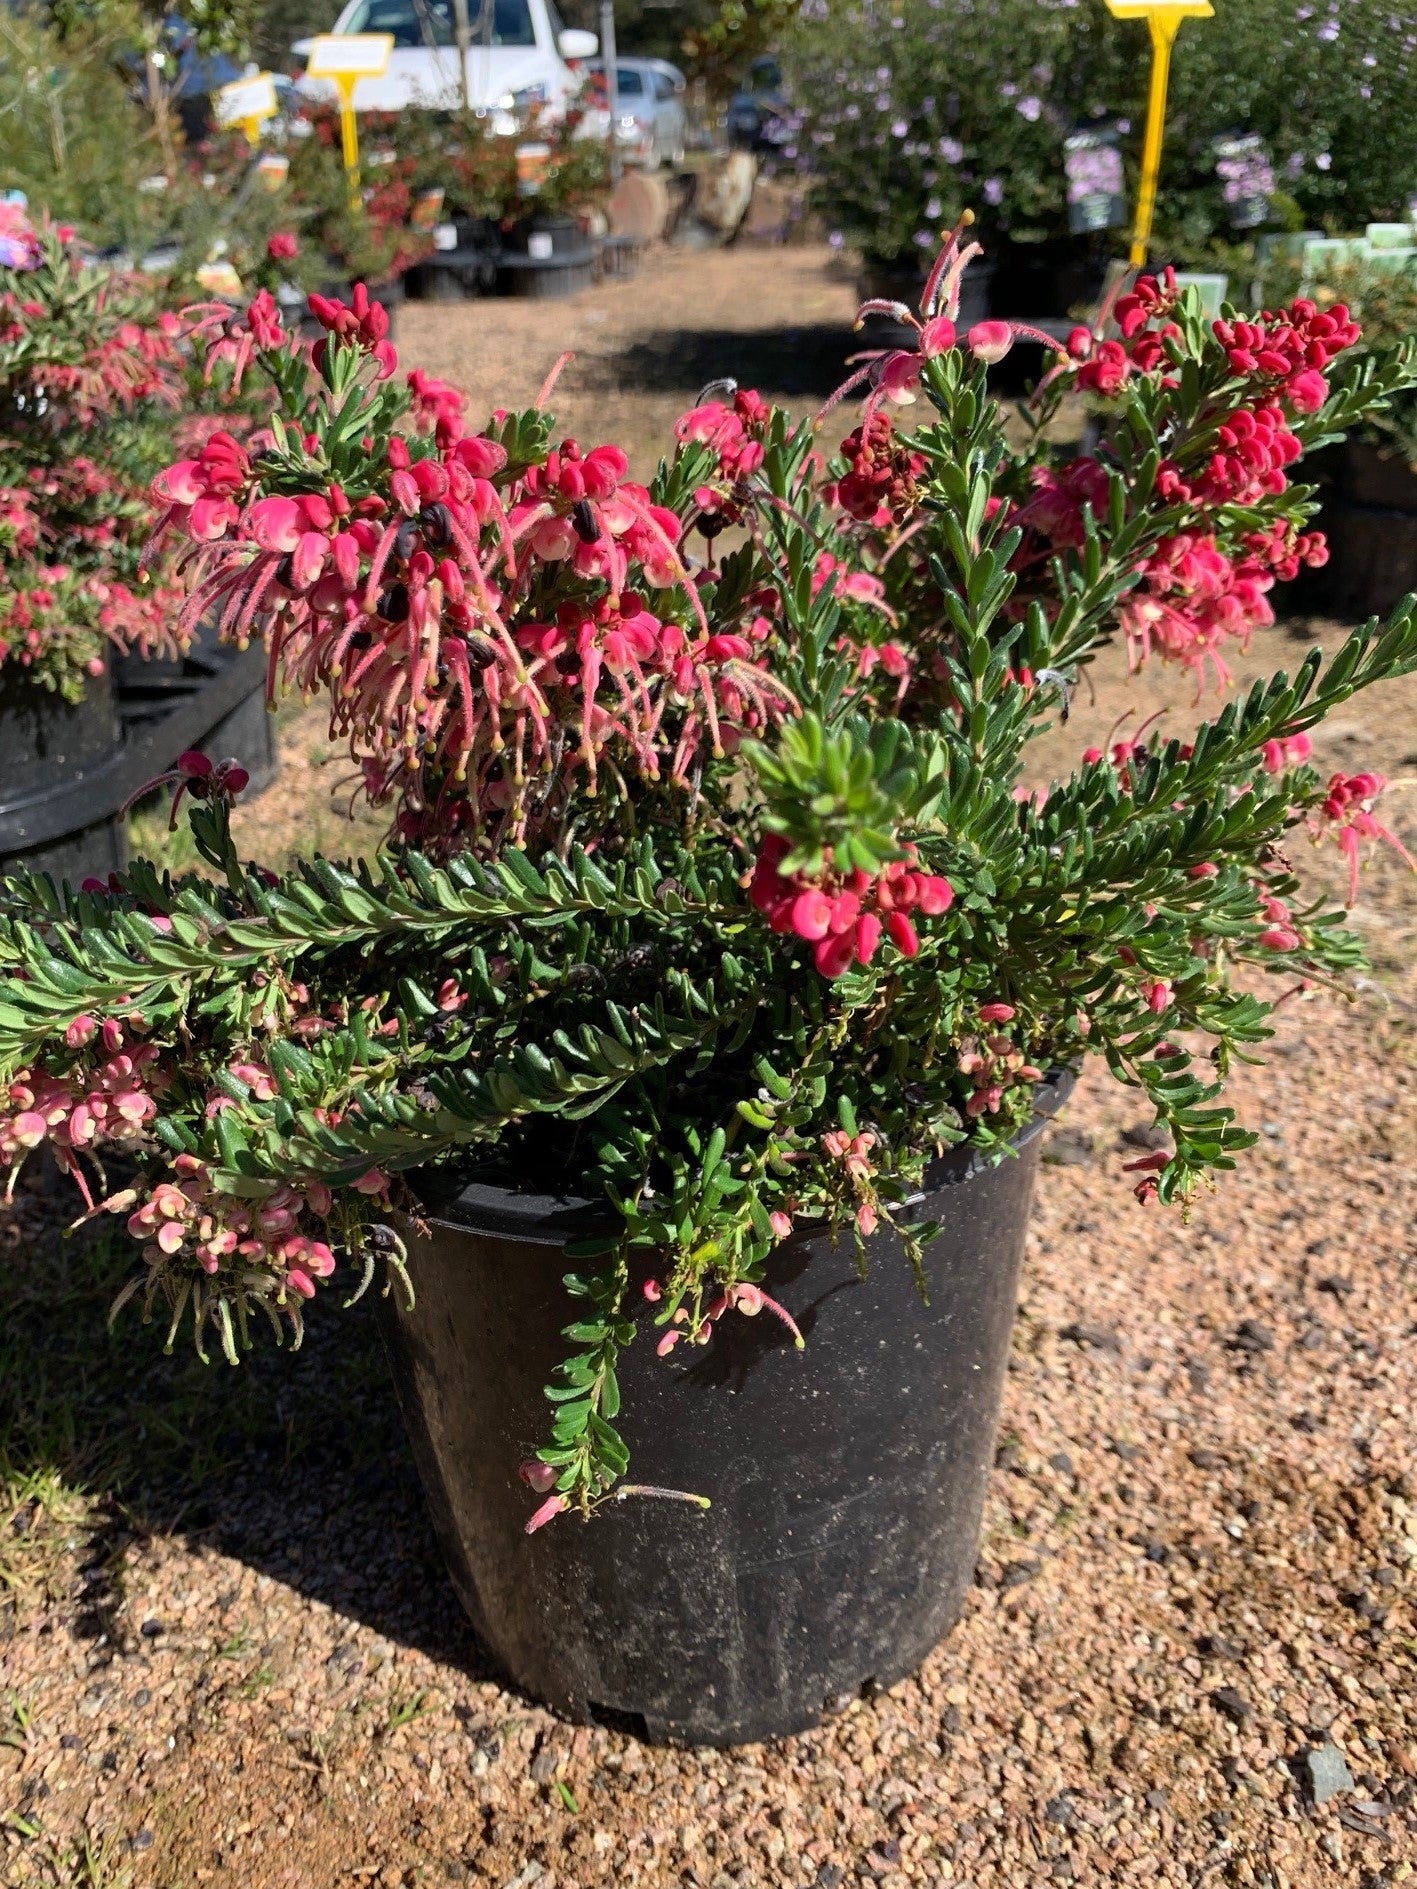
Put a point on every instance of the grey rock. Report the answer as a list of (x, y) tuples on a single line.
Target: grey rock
[(1098, 1337), (1233, 1704), (1060, 1810), (1329, 1776), (1253, 1337), (1017, 1573)]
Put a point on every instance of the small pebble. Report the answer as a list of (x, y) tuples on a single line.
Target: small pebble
[(1253, 1337), (1233, 1704)]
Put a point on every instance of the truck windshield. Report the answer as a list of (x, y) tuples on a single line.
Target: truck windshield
[(416, 23)]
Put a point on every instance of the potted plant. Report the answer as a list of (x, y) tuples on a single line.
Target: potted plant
[(685, 1051), (564, 177), (90, 373)]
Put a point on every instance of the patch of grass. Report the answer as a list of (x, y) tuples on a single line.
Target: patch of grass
[(403, 1712), (254, 1684)]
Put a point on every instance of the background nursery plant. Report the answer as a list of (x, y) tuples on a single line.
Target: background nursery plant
[(91, 379), (718, 856)]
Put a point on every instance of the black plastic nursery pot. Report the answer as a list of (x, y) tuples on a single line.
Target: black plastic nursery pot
[(61, 764), (213, 698), (847, 1479), (1370, 522), (66, 771)]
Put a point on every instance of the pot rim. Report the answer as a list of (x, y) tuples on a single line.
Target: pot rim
[(554, 1219)]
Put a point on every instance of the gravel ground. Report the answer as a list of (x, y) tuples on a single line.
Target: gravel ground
[(228, 1653)]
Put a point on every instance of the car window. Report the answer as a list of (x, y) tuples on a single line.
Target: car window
[(417, 22), (403, 19), (663, 87), (628, 82), (511, 21)]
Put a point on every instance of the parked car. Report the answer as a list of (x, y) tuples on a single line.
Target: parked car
[(517, 60), (756, 111), (650, 107)]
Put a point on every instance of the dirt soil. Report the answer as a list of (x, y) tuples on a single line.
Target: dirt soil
[(229, 1654)]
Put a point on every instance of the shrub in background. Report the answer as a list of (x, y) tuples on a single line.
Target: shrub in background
[(92, 380), (918, 109)]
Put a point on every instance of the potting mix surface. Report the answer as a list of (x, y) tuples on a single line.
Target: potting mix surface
[(228, 1651)]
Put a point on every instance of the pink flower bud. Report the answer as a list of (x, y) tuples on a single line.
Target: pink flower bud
[(553, 1506), (866, 1218), (903, 934), (781, 1224), (537, 1475), (652, 1291), (996, 1013), (80, 1031), (936, 895), (29, 1129), (990, 341)]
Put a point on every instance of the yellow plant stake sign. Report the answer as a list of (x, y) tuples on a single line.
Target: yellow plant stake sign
[(1164, 18), (345, 59), (248, 103)]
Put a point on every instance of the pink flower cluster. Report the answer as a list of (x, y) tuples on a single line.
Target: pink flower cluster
[(734, 432), (1347, 812), (79, 1113), (1290, 349), (744, 1298), (854, 1153), (881, 482), (843, 918), (1193, 599), (409, 606), (191, 1219), (994, 1064)]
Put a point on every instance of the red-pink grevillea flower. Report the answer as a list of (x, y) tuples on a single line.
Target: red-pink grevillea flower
[(843, 918), (1347, 812), (199, 776), (411, 609)]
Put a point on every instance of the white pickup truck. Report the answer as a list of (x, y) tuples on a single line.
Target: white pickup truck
[(518, 56)]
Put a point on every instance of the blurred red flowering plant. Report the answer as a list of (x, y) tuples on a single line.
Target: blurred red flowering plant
[(91, 382), (723, 857)]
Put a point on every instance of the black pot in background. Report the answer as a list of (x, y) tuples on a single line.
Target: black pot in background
[(1369, 516), (546, 257), (65, 772), (462, 273), (1049, 280), (213, 698), (847, 1480), (566, 235), (60, 769)]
